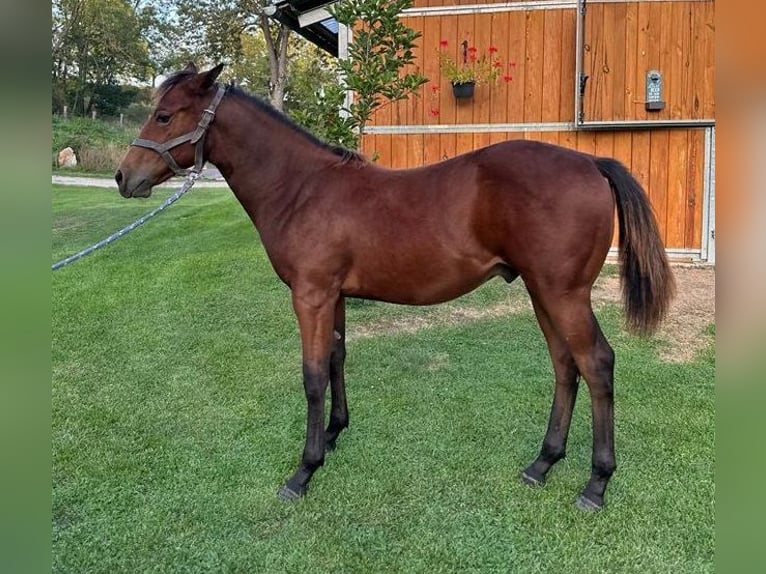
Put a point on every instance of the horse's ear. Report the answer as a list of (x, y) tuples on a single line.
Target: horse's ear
[(209, 77), (190, 67)]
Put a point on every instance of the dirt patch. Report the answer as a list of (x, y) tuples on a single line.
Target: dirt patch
[(691, 312)]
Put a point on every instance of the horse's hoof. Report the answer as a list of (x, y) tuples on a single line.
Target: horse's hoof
[(287, 494), (530, 480), (587, 505)]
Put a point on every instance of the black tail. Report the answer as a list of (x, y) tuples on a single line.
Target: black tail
[(647, 282)]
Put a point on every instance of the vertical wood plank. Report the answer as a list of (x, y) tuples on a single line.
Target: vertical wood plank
[(497, 137), (662, 15), (604, 144), (463, 143), (640, 157), (673, 73), (593, 56), (449, 33), (698, 61), (431, 149), (415, 101), (606, 64), (447, 146), (550, 137), (499, 94), (623, 147), (533, 66), (516, 66), (415, 150), (646, 53), (481, 140), (586, 142), (695, 199), (658, 179), (568, 85), (367, 145), (465, 33), (568, 139), (677, 178), (632, 73), (383, 150), (483, 39), (430, 103), (687, 58), (708, 110), (551, 89), (617, 21)]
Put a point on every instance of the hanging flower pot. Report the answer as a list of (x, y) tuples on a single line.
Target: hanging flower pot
[(463, 90)]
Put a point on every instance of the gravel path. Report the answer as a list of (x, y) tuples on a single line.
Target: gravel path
[(206, 180)]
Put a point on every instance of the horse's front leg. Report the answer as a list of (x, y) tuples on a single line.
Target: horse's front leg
[(315, 311)]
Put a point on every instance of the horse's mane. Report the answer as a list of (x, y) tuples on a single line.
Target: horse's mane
[(346, 155)]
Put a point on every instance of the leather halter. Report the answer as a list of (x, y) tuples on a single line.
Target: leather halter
[(196, 138)]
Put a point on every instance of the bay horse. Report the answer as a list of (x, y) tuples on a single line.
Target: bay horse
[(335, 225)]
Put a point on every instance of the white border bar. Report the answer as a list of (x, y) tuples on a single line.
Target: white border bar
[(470, 128), (515, 6), (708, 198)]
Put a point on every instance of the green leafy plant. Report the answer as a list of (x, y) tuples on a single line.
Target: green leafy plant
[(381, 50)]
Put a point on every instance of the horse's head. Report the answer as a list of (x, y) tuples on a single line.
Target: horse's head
[(172, 138)]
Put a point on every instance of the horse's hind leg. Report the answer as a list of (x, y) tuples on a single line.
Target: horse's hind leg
[(339, 408), (571, 315), (565, 393)]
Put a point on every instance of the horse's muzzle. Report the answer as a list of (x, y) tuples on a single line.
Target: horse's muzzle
[(129, 188)]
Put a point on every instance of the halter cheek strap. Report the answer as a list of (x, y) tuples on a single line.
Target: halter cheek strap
[(196, 138)]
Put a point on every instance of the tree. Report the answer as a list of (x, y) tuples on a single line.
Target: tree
[(378, 56), (224, 24), (170, 44), (95, 43)]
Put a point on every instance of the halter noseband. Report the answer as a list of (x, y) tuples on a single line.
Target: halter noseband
[(197, 138)]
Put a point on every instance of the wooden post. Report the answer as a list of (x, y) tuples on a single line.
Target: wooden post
[(121, 119), (66, 110), (93, 114)]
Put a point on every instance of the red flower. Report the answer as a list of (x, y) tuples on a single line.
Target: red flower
[(434, 89), (443, 43), (492, 49), (472, 50), (472, 56), (434, 112), (507, 78), (497, 64), (511, 64)]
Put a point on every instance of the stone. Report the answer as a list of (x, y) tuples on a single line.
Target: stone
[(67, 158)]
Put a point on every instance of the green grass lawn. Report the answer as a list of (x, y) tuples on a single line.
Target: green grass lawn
[(178, 410)]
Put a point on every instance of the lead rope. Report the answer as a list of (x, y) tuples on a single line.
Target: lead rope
[(190, 179)]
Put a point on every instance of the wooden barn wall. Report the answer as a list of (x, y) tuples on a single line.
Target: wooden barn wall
[(625, 40), (667, 162), (622, 41)]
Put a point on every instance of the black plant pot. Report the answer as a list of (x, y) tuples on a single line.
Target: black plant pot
[(464, 90)]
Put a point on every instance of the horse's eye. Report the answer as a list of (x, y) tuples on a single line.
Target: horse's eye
[(162, 118)]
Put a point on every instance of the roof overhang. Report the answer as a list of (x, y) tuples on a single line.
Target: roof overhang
[(310, 19)]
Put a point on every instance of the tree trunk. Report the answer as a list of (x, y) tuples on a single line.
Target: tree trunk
[(277, 50)]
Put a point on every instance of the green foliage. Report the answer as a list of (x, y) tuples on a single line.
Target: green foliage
[(321, 115), (98, 145), (178, 409), (378, 56), (95, 43), (79, 133)]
